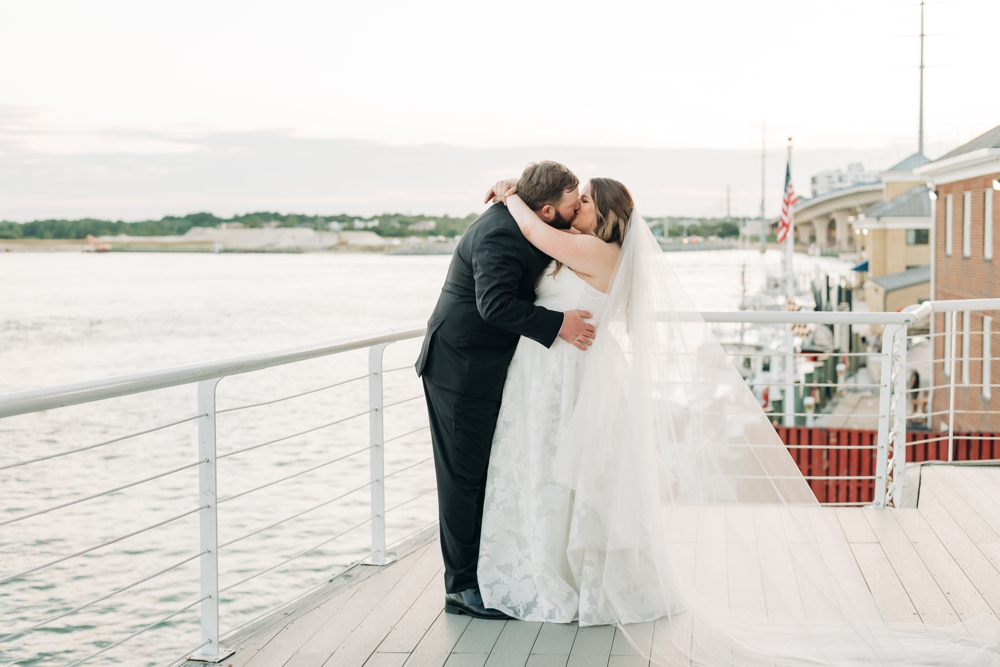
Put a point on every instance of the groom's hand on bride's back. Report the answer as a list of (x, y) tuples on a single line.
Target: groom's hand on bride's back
[(575, 331)]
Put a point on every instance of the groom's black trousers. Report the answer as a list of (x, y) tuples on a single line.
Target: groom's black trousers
[(462, 433)]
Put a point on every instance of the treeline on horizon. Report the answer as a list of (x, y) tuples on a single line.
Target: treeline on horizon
[(389, 225)]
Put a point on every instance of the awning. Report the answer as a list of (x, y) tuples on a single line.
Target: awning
[(862, 267)]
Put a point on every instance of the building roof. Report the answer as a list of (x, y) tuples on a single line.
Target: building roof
[(914, 203), (990, 139), (908, 278), (910, 163)]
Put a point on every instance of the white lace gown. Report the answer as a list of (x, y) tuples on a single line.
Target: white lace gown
[(523, 565)]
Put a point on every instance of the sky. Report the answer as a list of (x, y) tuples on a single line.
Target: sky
[(125, 109)]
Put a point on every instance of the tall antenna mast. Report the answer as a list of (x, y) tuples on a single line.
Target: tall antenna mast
[(920, 141)]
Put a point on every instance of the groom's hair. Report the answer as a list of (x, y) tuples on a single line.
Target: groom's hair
[(544, 183)]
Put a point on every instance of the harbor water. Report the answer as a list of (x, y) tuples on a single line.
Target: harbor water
[(67, 317)]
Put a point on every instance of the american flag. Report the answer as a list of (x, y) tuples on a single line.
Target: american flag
[(785, 221)]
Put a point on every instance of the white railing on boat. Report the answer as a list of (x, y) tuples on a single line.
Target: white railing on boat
[(891, 386)]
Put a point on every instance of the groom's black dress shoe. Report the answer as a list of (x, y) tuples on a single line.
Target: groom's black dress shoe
[(470, 603)]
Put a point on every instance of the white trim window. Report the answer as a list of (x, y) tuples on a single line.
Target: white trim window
[(988, 224), (987, 355), (967, 224), (948, 207)]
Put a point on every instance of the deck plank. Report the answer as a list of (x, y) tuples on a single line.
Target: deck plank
[(339, 627), (890, 596), (837, 554), (592, 647), (466, 660), (781, 595), (711, 577), (547, 660), (939, 563), (387, 660), (624, 654), (555, 639), (949, 560), (983, 493), (437, 643), (950, 578), (405, 636), (514, 644), (964, 513), (293, 635), (927, 598), (746, 588), (969, 558), (366, 638), (480, 636), (856, 529)]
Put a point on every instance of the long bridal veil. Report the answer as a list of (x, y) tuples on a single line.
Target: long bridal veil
[(693, 530)]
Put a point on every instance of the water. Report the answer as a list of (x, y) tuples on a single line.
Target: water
[(71, 317)]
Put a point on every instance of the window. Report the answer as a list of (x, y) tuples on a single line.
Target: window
[(967, 225), (988, 224), (947, 224), (918, 236)]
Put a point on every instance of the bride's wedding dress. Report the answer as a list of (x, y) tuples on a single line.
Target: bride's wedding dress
[(523, 569), (640, 484)]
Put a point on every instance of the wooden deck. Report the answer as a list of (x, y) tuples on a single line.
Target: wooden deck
[(938, 563)]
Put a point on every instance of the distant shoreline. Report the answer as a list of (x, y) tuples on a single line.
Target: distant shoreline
[(201, 247)]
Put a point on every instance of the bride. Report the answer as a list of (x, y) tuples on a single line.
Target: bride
[(640, 484)]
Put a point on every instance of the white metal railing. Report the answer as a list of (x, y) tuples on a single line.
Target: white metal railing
[(891, 415), (207, 377)]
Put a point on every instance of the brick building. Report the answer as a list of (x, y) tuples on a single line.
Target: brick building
[(964, 246)]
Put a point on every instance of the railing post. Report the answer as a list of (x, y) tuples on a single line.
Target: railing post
[(891, 453), (953, 352), (788, 404), (209, 523), (376, 432)]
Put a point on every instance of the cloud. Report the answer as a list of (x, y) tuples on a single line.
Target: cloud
[(130, 174)]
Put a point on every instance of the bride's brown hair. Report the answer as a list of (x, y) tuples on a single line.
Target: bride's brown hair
[(613, 204)]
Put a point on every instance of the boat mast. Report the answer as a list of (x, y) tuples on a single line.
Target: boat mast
[(763, 222), (920, 141)]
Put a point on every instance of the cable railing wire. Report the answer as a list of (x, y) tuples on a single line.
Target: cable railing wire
[(298, 597), (136, 634), (42, 624), (288, 398), (398, 368), (294, 435), (403, 435), (99, 546), (419, 495), (101, 444), (411, 534), (294, 516), (412, 465), (405, 400), (102, 493), (291, 558), (293, 475)]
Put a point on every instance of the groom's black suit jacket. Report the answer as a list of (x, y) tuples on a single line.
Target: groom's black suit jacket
[(486, 305)]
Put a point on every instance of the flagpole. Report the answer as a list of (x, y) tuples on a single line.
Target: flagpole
[(790, 241), (789, 402)]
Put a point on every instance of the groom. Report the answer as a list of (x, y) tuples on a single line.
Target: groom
[(486, 305)]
